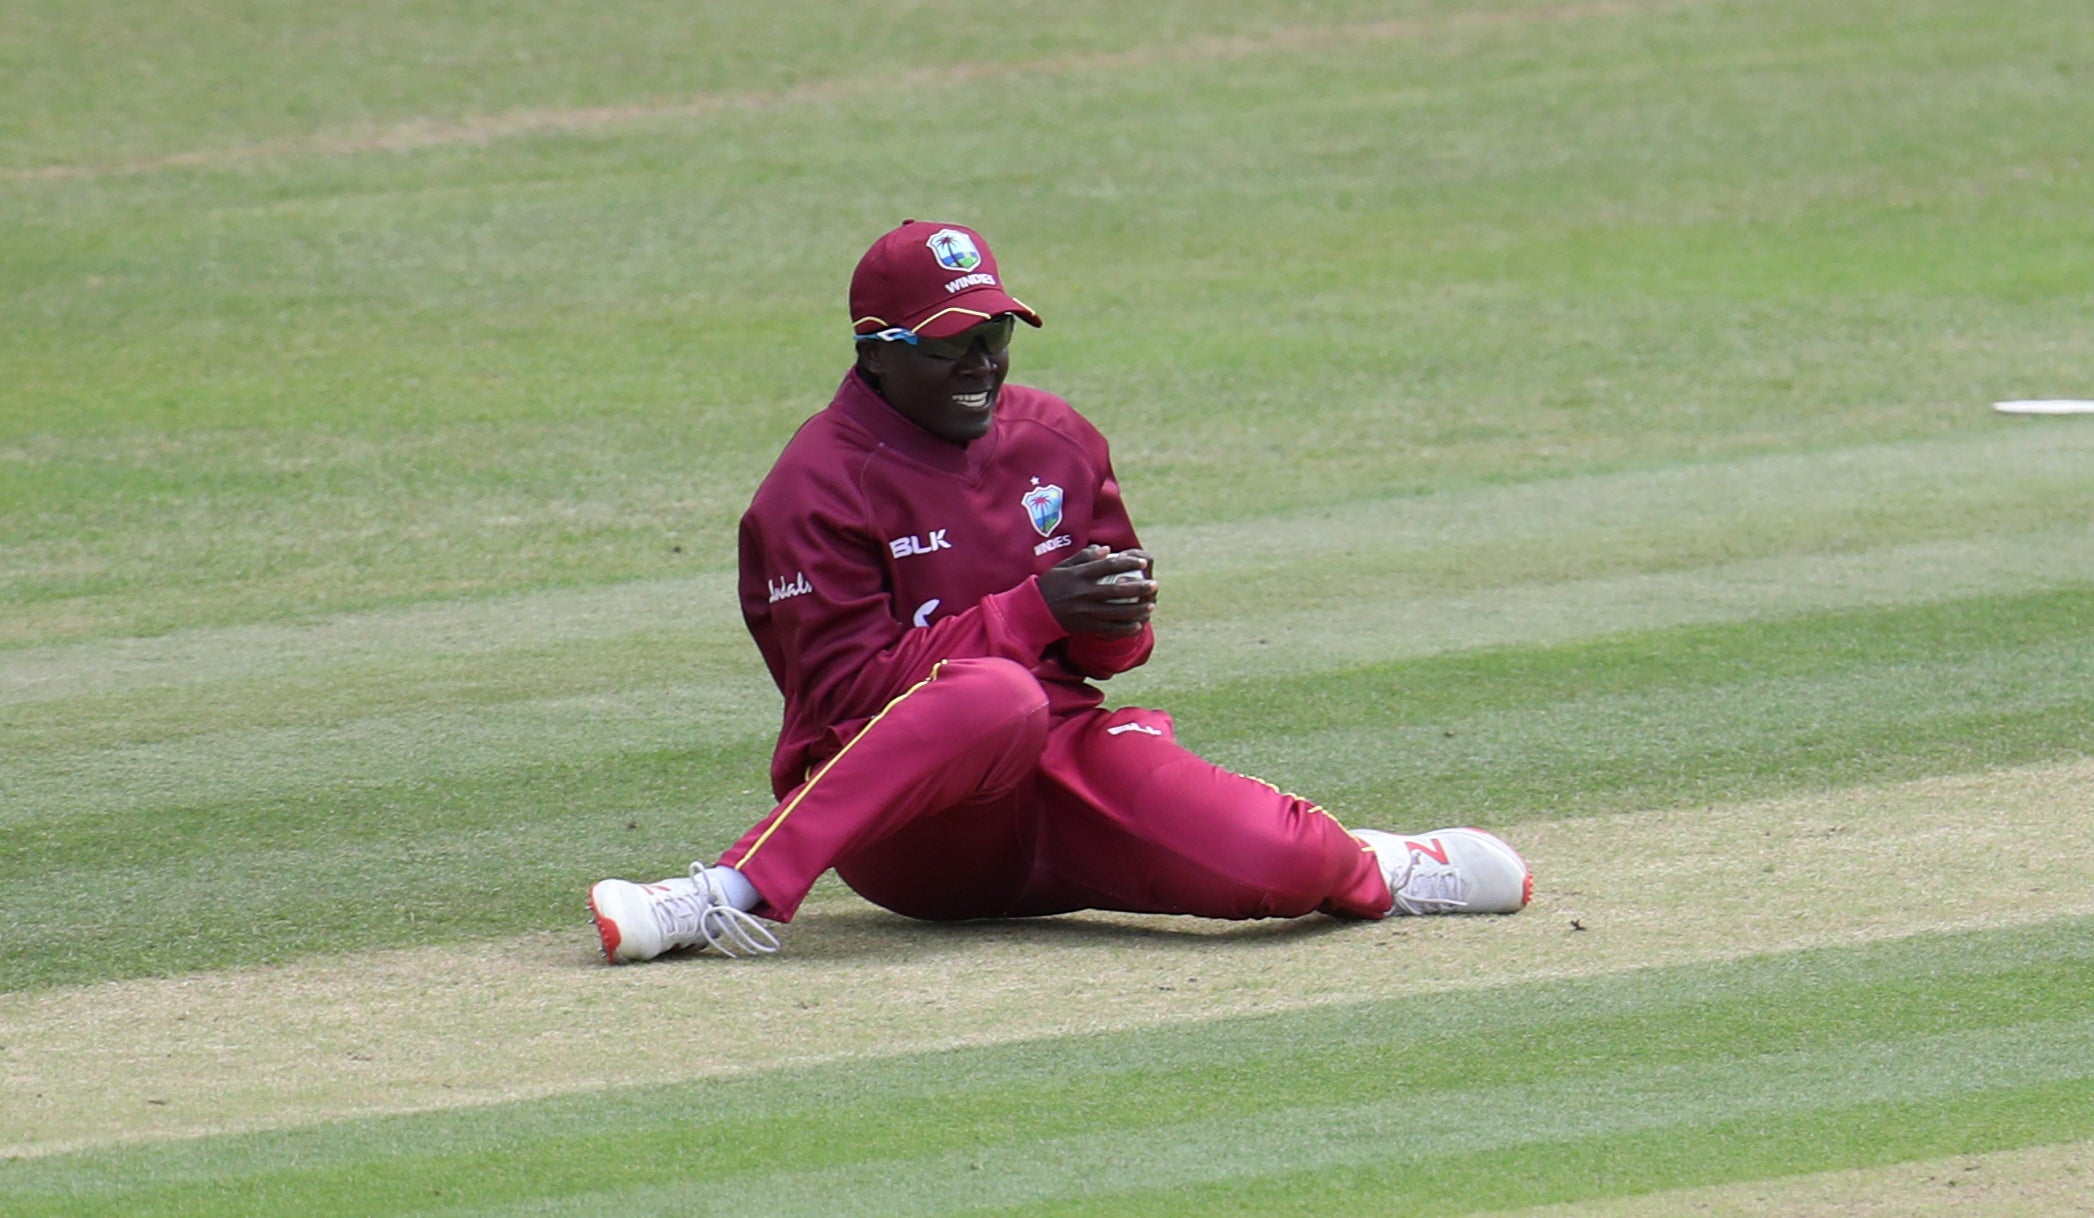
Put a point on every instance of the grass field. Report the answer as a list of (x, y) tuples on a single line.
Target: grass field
[(1571, 418)]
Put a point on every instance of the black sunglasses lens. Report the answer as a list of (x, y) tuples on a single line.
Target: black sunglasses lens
[(994, 335)]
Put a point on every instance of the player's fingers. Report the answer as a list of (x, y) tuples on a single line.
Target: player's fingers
[(1127, 588), (1086, 557), (1124, 569)]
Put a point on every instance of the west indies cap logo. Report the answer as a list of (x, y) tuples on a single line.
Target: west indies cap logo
[(896, 288), (954, 250), (1044, 505)]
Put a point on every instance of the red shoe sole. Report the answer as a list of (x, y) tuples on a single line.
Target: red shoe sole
[(607, 931)]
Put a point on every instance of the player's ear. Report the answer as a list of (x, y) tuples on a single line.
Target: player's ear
[(874, 361)]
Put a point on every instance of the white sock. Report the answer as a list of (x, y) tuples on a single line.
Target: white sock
[(735, 887)]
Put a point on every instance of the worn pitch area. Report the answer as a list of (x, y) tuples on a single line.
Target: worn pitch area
[(2039, 1180), (438, 1027)]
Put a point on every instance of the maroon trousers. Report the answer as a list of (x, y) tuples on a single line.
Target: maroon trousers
[(965, 798)]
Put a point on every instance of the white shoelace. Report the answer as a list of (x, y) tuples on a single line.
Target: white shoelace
[(1430, 890), (704, 914)]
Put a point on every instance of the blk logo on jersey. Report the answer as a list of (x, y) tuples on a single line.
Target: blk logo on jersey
[(785, 589), (905, 547), (1044, 505), (954, 250)]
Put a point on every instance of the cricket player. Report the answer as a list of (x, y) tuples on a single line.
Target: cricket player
[(938, 571)]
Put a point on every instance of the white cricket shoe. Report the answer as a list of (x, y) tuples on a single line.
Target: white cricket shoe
[(1451, 871), (641, 921)]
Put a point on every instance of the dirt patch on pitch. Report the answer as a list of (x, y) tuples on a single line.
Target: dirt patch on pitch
[(2037, 1182), (441, 1027)]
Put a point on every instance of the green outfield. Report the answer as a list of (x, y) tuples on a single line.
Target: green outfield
[(1568, 418)]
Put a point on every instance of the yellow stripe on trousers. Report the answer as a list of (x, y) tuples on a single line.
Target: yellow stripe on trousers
[(830, 764)]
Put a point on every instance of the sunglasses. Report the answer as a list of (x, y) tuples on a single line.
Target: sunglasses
[(994, 335)]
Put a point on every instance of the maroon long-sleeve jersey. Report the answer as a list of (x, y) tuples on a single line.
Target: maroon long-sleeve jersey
[(873, 550)]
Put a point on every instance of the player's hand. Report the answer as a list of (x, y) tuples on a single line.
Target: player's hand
[(1083, 604)]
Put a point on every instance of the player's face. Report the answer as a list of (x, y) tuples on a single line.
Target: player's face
[(952, 396)]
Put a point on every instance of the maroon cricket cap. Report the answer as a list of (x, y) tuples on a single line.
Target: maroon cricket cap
[(933, 279)]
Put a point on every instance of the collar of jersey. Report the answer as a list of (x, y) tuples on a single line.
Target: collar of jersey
[(862, 404)]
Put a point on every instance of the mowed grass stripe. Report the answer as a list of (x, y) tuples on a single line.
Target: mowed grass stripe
[(827, 64), (454, 1024), (1380, 619), (480, 653), (381, 860), (1845, 525), (1494, 1147), (1442, 1103), (1991, 482), (1663, 718), (2002, 655), (1815, 1133), (488, 731)]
